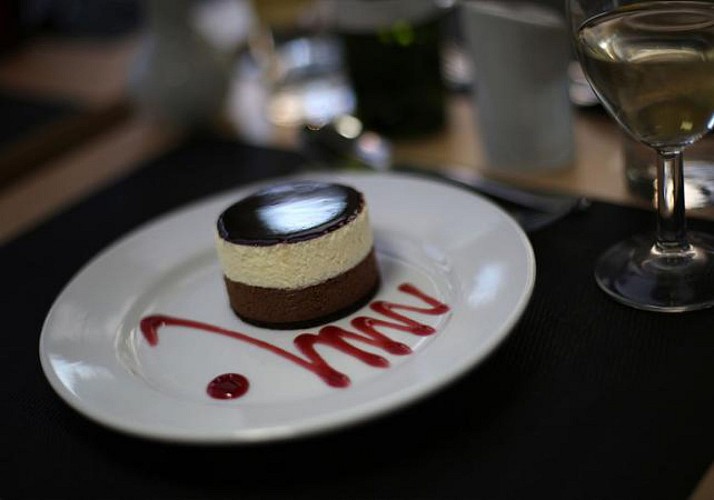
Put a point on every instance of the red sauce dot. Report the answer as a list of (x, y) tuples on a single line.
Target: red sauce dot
[(228, 386)]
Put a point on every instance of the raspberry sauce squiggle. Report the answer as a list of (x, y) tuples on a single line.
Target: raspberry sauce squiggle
[(229, 386)]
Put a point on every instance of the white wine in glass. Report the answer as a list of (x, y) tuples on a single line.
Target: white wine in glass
[(651, 63)]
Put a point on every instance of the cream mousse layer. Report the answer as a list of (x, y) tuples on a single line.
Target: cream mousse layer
[(298, 264)]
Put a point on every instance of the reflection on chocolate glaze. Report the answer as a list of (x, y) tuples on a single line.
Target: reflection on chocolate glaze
[(289, 212)]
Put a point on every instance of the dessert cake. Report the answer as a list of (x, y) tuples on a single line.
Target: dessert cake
[(297, 254)]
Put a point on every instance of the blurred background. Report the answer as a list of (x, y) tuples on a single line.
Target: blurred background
[(253, 64), (413, 79)]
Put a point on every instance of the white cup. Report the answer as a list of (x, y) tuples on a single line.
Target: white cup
[(520, 54)]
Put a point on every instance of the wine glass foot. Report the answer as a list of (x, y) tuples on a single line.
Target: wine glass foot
[(639, 274)]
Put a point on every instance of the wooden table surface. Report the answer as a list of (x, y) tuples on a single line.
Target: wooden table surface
[(94, 74)]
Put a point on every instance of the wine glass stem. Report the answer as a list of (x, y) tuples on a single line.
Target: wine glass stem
[(671, 221)]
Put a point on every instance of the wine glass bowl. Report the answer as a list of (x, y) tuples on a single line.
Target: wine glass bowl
[(651, 64)]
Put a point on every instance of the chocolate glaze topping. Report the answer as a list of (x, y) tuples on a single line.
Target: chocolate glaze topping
[(289, 212)]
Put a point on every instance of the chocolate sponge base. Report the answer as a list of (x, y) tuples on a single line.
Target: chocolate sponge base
[(328, 301)]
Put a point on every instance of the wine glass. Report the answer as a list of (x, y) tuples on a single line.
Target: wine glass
[(651, 64)]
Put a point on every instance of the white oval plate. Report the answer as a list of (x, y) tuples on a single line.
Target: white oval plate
[(450, 244)]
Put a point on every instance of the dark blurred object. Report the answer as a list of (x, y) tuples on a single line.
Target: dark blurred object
[(393, 56), (22, 114), (78, 18), (10, 25)]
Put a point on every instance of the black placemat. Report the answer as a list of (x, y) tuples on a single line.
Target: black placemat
[(586, 398)]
